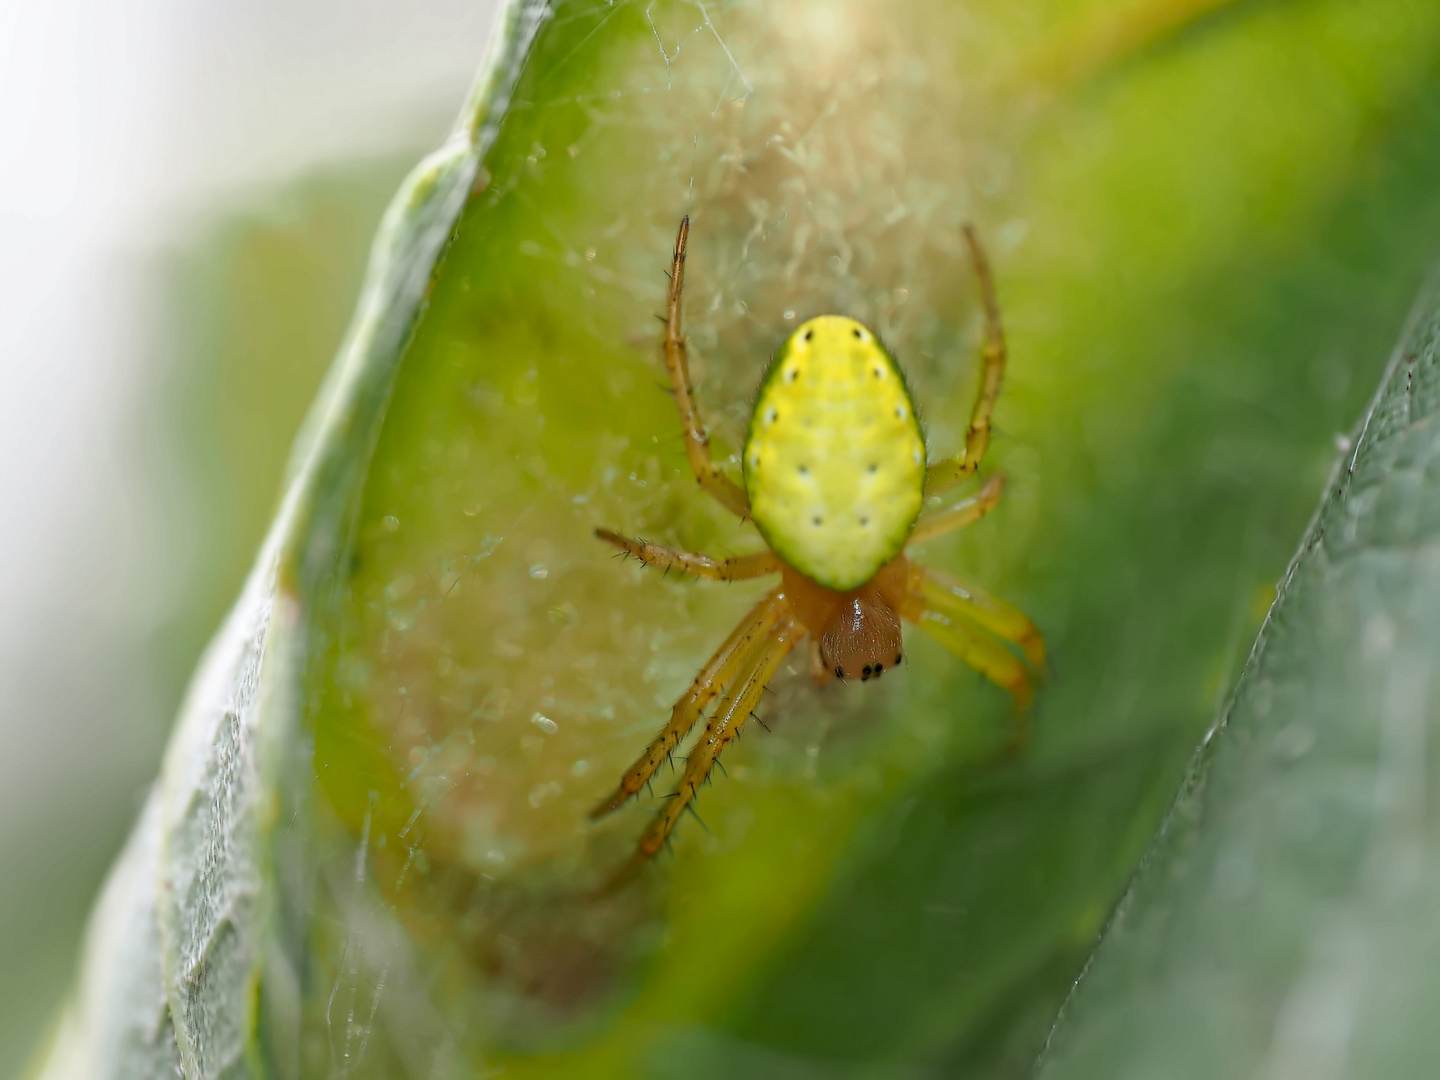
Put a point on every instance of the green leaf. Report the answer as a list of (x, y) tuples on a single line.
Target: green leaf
[(1206, 220), (195, 956), (1283, 922)]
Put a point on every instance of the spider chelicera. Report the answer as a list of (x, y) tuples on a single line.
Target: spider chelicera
[(835, 478)]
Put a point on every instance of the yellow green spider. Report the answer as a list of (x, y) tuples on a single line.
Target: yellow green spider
[(835, 479)]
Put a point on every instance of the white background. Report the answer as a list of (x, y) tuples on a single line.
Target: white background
[(123, 128)]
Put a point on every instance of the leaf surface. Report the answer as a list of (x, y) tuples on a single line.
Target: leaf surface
[(1198, 291), (1282, 924)]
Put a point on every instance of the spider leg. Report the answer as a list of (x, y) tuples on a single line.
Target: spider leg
[(697, 443), (963, 513), (720, 671), (982, 653), (960, 601), (946, 474), (735, 569), (730, 716), (972, 625), (818, 670)]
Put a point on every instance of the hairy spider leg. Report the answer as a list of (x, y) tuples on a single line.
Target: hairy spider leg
[(946, 474), (983, 653), (962, 601), (954, 621), (965, 512), (738, 568), (723, 668), (730, 716), (697, 443)]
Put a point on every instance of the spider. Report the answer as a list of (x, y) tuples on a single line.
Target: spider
[(835, 478)]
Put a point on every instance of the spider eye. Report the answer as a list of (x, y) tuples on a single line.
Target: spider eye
[(860, 334), (839, 672), (808, 334)]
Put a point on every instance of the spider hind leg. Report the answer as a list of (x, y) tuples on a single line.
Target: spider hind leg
[(677, 363), (946, 474), (962, 513)]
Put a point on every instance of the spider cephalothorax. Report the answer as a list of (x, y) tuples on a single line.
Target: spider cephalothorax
[(835, 479)]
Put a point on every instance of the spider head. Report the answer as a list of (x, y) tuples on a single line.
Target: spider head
[(862, 639)]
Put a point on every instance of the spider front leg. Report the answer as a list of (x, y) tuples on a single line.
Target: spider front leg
[(722, 669), (946, 474), (974, 626), (730, 715), (697, 443)]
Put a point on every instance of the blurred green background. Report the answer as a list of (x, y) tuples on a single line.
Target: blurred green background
[(1207, 221), (147, 147), (250, 311)]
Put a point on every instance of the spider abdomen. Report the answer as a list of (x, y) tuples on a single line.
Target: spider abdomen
[(834, 459)]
